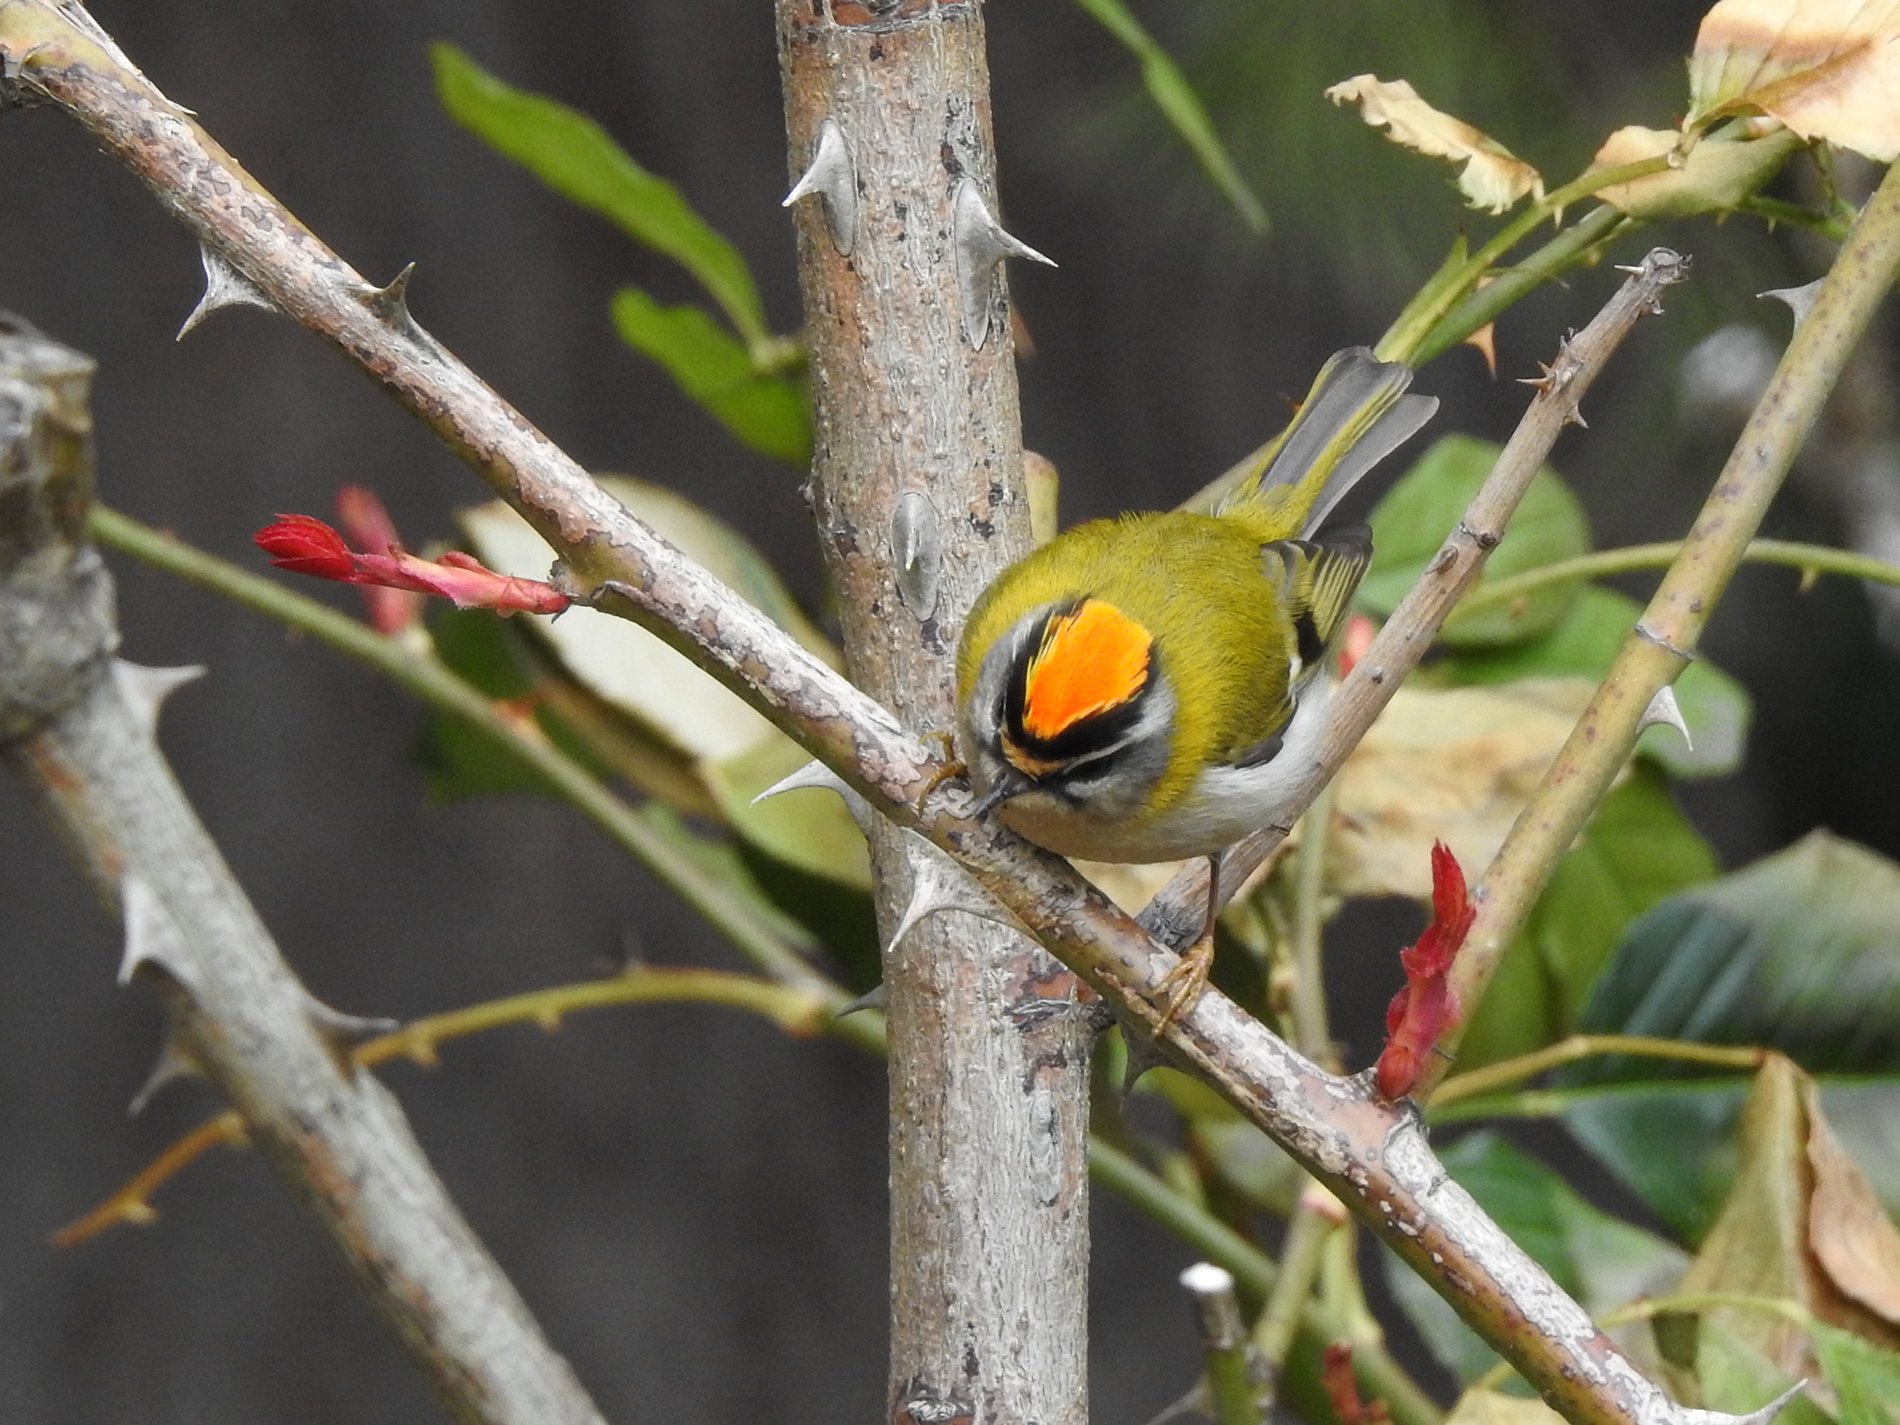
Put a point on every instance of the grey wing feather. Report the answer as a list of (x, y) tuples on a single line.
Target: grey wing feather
[(1351, 381)]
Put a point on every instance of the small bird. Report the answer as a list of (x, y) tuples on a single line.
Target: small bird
[(1147, 688)]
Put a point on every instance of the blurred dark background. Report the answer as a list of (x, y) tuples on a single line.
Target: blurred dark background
[(692, 1203)]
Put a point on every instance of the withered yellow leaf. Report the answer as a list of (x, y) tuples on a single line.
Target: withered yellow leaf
[(1828, 69), (1493, 177), (1715, 175), (1853, 1239), (1802, 1224), (1444, 764)]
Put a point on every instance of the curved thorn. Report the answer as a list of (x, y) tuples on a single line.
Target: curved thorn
[(225, 286), (834, 178), (150, 935), (1143, 1053), (937, 885), (1754, 1417), (1799, 300), (981, 247), (391, 303), (816, 774), (342, 1032), (174, 1062), (813, 774), (145, 689), (917, 552), (877, 997), (1665, 711)]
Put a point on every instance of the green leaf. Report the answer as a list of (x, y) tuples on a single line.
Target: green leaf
[(1865, 1377), (1714, 705), (723, 861), (574, 156), (460, 760), (766, 412), (1180, 106), (1732, 1376), (499, 658), (1637, 850), (1795, 953), (1622, 1126), (1410, 524), (1232, 1153), (1600, 1260)]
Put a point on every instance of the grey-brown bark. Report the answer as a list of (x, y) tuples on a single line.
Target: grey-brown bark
[(917, 490), (76, 727)]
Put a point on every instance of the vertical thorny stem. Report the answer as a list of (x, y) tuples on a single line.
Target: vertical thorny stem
[(919, 448)]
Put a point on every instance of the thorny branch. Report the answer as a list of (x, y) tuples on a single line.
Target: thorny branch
[(76, 727), (1372, 1156)]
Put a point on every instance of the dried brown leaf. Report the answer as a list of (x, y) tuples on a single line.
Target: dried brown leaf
[(1853, 1238), (1802, 1225), (1492, 177)]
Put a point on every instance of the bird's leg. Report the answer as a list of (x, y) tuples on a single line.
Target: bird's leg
[(1187, 977)]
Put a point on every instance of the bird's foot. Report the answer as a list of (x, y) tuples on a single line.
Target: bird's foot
[(1186, 977), (950, 768)]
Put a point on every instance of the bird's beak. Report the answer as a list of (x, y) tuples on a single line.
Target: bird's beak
[(1010, 783)]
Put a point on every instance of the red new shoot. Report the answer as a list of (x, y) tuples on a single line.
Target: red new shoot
[(1342, 1388), (1425, 1008), (305, 545)]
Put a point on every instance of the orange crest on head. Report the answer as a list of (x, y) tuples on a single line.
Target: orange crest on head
[(1091, 660)]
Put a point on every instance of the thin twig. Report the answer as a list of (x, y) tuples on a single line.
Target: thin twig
[(1810, 560), (796, 1011), (764, 943), (1493, 1077), (1313, 1329), (1312, 1033), (1664, 640), (131, 1201), (1315, 1218), (1231, 1392)]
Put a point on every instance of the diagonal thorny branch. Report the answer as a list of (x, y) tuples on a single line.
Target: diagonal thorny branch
[(1373, 1156), (76, 726)]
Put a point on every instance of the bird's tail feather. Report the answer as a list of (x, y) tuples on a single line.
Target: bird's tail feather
[(1356, 414)]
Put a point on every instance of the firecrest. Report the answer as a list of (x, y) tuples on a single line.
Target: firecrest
[(1149, 687)]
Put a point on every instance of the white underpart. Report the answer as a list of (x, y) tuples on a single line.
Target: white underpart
[(1222, 806)]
